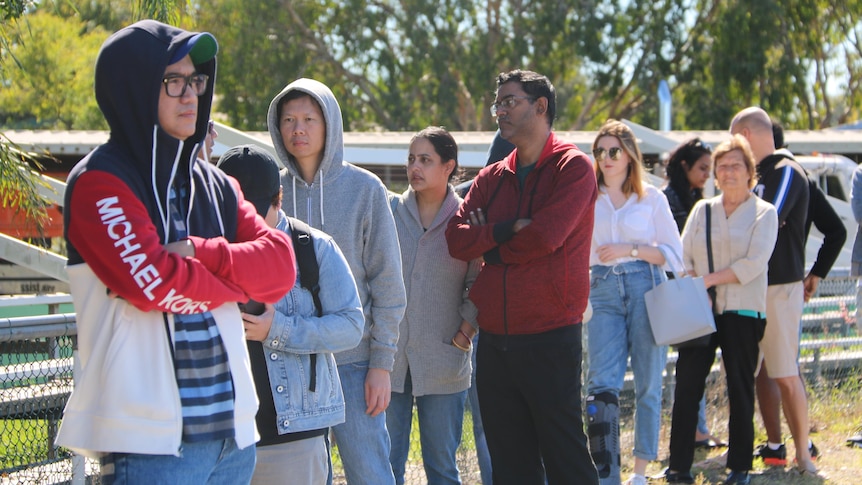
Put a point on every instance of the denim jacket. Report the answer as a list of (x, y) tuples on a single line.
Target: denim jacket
[(297, 333)]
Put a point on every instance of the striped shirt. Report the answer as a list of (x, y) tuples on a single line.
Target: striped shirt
[(201, 365)]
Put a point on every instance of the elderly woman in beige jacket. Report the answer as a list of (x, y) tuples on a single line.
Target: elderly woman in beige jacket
[(743, 232), (432, 364)]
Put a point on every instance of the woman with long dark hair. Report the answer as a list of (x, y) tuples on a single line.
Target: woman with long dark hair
[(687, 172)]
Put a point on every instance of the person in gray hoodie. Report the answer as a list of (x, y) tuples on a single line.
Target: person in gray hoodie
[(351, 205)]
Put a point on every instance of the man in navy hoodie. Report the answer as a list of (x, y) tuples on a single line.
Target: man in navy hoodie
[(782, 182), (161, 248)]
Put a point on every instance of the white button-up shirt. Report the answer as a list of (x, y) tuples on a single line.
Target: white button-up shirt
[(646, 222)]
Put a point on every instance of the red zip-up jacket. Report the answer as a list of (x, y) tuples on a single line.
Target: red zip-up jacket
[(537, 279)]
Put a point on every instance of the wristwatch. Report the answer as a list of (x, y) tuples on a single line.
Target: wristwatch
[(634, 252)]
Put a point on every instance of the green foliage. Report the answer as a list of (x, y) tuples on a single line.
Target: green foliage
[(53, 88), (403, 65), (18, 183)]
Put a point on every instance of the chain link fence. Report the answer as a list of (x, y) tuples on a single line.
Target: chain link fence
[(36, 367)]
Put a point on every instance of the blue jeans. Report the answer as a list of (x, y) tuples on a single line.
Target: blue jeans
[(362, 440), (702, 428), (441, 417), (478, 431), (620, 329), (207, 462)]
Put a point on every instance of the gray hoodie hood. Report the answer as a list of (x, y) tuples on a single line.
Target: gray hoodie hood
[(333, 151), (350, 204)]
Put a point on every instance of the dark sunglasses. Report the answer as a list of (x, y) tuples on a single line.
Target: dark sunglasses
[(698, 143), (614, 153)]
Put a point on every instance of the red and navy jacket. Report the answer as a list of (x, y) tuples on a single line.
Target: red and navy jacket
[(537, 279), (116, 213)]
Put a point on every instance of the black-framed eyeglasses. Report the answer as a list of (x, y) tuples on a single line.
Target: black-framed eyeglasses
[(614, 153), (508, 103), (175, 84)]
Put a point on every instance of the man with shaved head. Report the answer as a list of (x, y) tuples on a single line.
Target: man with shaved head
[(782, 182)]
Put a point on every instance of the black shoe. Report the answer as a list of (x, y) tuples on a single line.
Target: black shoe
[(771, 457), (814, 452), (738, 478), (709, 444), (855, 440), (674, 477)]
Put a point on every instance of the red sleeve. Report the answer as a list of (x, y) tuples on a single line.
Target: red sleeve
[(574, 194), (261, 262), (467, 242), (112, 231)]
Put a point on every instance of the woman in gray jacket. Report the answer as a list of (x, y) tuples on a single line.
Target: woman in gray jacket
[(432, 363)]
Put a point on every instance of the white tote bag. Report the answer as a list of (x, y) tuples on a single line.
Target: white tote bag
[(679, 309)]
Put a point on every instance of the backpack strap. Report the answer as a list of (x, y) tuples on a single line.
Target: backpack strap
[(309, 275), (306, 259)]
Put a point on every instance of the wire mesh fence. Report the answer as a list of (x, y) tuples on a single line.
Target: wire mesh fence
[(36, 378), (35, 381)]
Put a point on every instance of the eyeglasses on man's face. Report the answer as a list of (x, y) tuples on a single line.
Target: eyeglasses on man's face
[(614, 153), (175, 84), (508, 103)]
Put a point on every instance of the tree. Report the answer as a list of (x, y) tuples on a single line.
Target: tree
[(19, 184), (52, 88), (763, 52)]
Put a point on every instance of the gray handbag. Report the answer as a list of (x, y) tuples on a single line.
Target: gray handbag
[(679, 309)]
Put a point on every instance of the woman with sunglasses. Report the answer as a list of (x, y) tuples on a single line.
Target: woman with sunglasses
[(632, 222)]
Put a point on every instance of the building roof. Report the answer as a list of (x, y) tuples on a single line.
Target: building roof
[(389, 148)]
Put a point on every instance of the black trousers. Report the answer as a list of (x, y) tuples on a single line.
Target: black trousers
[(530, 398), (739, 339)]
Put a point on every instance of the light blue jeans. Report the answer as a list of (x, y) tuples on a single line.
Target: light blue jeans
[(620, 329), (217, 462), (441, 418), (478, 431), (362, 440), (702, 428)]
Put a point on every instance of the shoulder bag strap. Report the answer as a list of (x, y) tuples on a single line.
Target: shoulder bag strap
[(708, 208)]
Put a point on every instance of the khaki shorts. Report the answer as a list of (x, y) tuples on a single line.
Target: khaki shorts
[(780, 344), (305, 461)]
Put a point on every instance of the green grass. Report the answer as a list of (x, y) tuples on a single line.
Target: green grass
[(22, 441), (835, 412), (415, 473)]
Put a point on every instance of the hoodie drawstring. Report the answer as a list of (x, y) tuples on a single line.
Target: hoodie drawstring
[(165, 214), (213, 197), (162, 213), (293, 191), (211, 193), (322, 219)]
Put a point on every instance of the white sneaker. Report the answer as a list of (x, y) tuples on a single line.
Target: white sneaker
[(636, 479)]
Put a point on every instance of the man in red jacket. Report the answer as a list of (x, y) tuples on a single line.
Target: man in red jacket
[(530, 217)]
